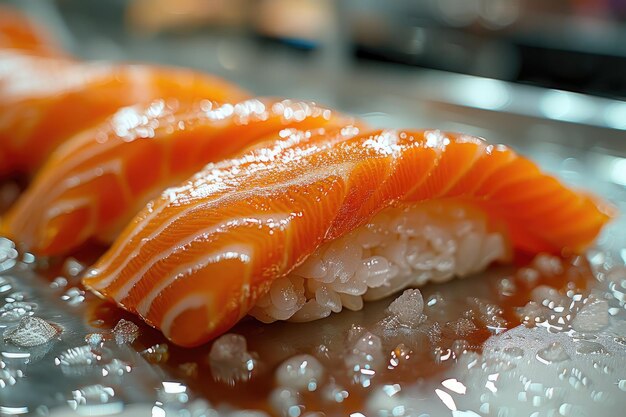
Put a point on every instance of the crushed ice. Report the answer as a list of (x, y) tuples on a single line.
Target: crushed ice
[(230, 360), (31, 331)]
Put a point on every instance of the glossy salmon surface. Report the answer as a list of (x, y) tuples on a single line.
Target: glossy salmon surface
[(19, 32), (95, 182), (197, 258), (45, 101)]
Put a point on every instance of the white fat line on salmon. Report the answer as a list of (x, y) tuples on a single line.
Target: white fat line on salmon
[(489, 171), (270, 220), (67, 206), (240, 252), (460, 173), (138, 228), (111, 168), (534, 194), (86, 150), (103, 282), (189, 302)]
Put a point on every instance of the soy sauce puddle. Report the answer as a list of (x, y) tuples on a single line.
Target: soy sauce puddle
[(471, 354)]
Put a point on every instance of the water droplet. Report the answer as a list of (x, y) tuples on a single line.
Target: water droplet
[(72, 268), (548, 265), (156, 354), (12, 312), (116, 368), (576, 378), (73, 296), (586, 347), (9, 377), (514, 352), (125, 332), (506, 287), (95, 400), (365, 358), (95, 339), (435, 301), (28, 258), (489, 314), (189, 369), (554, 353), (301, 372), (6, 284), (8, 254), (495, 365), (82, 356), (459, 347), (399, 355), (286, 402), (31, 331), (602, 367), (173, 396), (527, 276), (15, 297), (622, 384), (334, 393), (532, 314), (58, 282), (230, 360)]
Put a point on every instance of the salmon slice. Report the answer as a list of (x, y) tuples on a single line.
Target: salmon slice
[(18, 31), (44, 101), (95, 182), (200, 257)]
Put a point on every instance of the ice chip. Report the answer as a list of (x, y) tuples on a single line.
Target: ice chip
[(285, 402), (125, 332), (594, 316), (230, 360), (548, 265), (301, 372), (31, 331), (408, 308), (95, 339), (365, 358)]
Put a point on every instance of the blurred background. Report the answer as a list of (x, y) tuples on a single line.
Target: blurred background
[(546, 76)]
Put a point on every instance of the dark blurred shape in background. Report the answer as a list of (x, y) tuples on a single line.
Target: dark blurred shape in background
[(526, 69), (577, 45)]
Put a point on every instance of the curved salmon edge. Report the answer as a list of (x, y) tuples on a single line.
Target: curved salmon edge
[(95, 182), (45, 101), (18, 31), (197, 258)]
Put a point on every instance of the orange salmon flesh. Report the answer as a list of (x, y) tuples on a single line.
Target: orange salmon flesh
[(198, 257)]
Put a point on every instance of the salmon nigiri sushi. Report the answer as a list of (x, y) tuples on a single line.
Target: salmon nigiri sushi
[(44, 101), (301, 229), (95, 182)]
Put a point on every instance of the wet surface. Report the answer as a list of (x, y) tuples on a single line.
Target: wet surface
[(545, 337)]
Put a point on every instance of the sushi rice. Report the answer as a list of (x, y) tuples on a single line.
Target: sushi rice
[(401, 247)]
